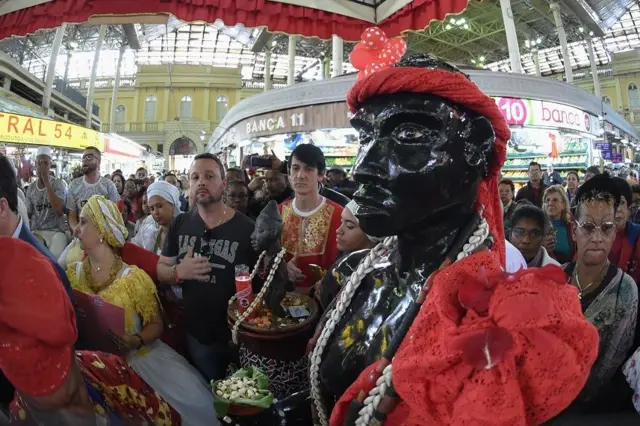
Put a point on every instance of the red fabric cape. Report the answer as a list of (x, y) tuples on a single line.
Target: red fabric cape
[(277, 17)]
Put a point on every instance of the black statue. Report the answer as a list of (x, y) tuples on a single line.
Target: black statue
[(419, 166), (266, 237)]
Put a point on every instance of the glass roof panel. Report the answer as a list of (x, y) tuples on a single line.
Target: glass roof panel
[(622, 36)]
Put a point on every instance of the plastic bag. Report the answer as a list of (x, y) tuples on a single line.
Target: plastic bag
[(266, 397), (71, 254)]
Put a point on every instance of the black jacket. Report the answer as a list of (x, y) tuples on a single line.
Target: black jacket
[(527, 192)]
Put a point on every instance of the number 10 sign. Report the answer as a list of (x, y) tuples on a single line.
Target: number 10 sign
[(515, 111)]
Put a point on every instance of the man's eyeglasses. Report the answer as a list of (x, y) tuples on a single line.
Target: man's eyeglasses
[(89, 157), (520, 233), (590, 228)]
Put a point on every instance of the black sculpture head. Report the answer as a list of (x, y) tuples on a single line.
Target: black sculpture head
[(421, 157), (266, 234)]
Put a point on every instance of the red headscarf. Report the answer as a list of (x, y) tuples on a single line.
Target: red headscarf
[(37, 320), (486, 348)]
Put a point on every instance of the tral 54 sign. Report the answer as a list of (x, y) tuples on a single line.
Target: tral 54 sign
[(36, 131), (530, 112)]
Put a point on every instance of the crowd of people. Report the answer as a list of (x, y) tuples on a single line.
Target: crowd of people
[(192, 233), (590, 229), (165, 252)]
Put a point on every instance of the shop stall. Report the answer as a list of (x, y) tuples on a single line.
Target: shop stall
[(552, 123), (122, 154), (550, 134)]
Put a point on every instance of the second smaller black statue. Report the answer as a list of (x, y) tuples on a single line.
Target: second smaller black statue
[(266, 239)]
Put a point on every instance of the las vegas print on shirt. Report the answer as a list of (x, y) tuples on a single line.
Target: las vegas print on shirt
[(220, 249)]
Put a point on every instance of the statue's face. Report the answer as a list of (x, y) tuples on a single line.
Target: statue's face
[(266, 232), (421, 159)]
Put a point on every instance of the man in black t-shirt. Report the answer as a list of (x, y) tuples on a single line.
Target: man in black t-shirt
[(200, 253)]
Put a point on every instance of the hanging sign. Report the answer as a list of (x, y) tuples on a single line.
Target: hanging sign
[(121, 146), (303, 119), (531, 112), (20, 129)]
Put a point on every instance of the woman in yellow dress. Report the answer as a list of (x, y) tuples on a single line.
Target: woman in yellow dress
[(103, 273)]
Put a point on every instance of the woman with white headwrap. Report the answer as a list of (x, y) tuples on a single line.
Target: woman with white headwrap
[(350, 238), (103, 274), (164, 204)]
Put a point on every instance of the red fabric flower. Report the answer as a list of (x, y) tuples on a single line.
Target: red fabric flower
[(520, 364), (376, 52)]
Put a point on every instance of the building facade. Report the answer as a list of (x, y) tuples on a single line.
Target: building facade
[(171, 109), (619, 85)]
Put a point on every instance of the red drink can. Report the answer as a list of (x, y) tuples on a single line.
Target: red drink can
[(244, 292)]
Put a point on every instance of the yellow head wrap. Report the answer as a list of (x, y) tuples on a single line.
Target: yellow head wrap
[(107, 218)]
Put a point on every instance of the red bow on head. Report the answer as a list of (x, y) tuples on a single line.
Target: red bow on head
[(376, 52)]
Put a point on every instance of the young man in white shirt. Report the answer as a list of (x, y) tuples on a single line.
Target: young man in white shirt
[(91, 183)]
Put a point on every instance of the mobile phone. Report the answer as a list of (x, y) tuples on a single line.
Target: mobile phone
[(258, 162)]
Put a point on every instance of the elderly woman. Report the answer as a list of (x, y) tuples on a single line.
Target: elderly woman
[(556, 206), (609, 297), (104, 274)]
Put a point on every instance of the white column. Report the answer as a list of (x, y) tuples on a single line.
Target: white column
[(292, 60), (594, 68), (267, 69), (512, 36), (51, 69), (6, 85), (555, 8), (116, 88), (338, 53), (66, 66), (94, 73), (323, 68), (536, 61)]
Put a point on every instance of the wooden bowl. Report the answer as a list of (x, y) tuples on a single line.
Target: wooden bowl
[(310, 304), (241, 410)]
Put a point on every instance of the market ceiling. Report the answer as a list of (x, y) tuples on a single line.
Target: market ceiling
[(473, 38)]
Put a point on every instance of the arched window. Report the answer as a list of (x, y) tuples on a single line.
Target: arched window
[(634, 96), (121, 112), (150, 108), (606, 100), (222, 106), (185, 106)]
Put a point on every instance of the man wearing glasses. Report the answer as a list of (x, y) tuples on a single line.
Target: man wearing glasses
[(91, 183), (527, 230)]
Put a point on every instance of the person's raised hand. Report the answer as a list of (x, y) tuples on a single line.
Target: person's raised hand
[(194, 268), (43, 173), (256, 183), (276, 163)]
